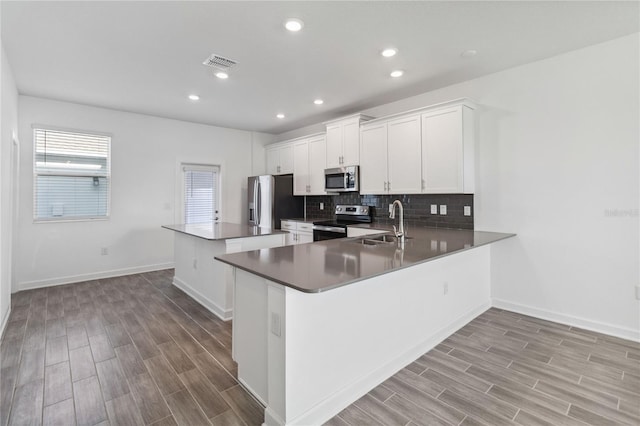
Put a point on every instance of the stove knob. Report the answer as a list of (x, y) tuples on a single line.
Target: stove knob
[(339, 209), (364, 210)]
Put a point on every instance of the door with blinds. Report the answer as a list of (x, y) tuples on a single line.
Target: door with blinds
[(201, 193)]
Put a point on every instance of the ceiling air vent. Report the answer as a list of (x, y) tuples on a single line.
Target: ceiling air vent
[(220, 62)]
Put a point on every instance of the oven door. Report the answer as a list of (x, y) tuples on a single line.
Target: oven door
[(322, 233)]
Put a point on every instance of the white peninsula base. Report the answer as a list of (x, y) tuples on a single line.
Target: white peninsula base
[(307, 356), (208, 281)]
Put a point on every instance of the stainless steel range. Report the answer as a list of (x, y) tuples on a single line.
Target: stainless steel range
[(337, 228)]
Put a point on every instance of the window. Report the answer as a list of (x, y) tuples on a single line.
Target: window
[(201, 192), (72, 175)]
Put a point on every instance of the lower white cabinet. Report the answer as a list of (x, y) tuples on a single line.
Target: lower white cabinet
[(299, 232)]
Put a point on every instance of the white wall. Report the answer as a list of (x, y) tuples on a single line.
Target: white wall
[(556, 160), (8, 131), (146, 152)]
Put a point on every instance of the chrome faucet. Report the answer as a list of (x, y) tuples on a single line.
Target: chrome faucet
[(392, 215)]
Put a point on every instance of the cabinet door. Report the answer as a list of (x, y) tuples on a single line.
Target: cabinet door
[(301, 168), (373, 159), (334, 146), (273, 160), (351, 143), (304, 237), (317, 164), (286, 159), (442, 154), (403, 155)]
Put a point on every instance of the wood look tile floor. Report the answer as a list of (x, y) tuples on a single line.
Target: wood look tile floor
[(135, 350), (504, 369), (132, 350)]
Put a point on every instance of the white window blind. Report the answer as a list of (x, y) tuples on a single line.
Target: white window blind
[(72, 175), (201, 192)]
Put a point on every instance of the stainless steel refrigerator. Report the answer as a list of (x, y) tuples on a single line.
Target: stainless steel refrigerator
[(271, 199)]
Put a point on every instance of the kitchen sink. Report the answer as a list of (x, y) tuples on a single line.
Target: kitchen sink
[(379, 239)]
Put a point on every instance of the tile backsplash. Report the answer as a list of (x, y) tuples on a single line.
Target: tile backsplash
[(417, 208)]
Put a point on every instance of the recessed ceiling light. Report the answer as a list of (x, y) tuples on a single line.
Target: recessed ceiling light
[(194, 97), (396, 73), (387, 53), (280, 116), (469, 53), (221, 74), (294, 24), (318, 102)]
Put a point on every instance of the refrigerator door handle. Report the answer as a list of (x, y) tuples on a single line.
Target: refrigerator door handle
[(258, 202)]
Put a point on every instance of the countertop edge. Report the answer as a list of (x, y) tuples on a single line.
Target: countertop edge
[(273, 232), (503, 236)]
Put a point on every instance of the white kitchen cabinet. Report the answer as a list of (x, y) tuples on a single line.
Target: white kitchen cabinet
[(390, 156), (448, 150), (343, 141), (280, 159), (299, 232), (373, 159), (301, 167), (403, 155), (308, 165)]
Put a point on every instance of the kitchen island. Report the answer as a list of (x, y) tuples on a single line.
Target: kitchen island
[(316, 326), (207, 280)]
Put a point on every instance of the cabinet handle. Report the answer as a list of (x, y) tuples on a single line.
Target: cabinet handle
[(422, 185), (385, 186), (389, 186)]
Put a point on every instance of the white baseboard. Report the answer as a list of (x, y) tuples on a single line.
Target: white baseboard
[(329, 407), (211, 306), (28, 285), (5, 321), (597, 326)]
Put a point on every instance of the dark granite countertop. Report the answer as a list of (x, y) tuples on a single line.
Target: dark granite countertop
[(325, 265), (222, 230)]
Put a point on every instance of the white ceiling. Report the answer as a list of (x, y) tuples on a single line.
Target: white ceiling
[(146, 57)]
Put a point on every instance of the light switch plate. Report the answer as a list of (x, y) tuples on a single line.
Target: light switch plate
[(443, 209), (434, 209), (275, 324), (467, 210), (321, 206)]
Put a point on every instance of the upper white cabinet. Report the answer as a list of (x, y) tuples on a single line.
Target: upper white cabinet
[(429, 151), (390, 156), (448, 150), (280, 159), (373, 159), (343, 141), (308, 165), (403, 155)]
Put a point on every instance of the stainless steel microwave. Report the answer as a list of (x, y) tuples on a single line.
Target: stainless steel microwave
[(341, 179)]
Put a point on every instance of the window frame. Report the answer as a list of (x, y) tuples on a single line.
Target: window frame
[(185, 166), (35, 174)]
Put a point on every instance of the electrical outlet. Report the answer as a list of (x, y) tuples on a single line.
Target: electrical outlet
[(638, 292), (195, 263), (321, 206), (445, 288), (467, 210), (443, 209), (434, 209), (390, 208), (104, 251)]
